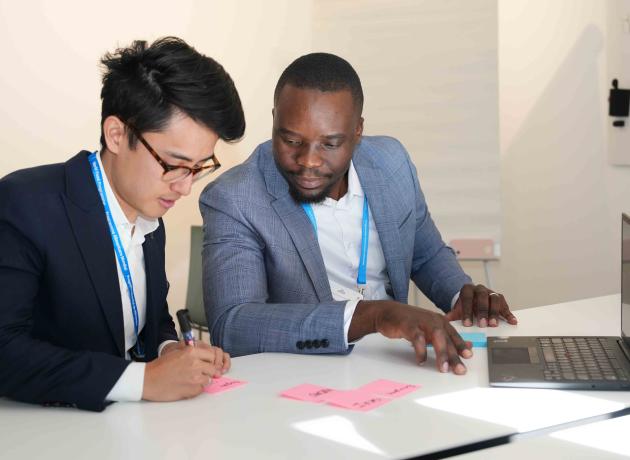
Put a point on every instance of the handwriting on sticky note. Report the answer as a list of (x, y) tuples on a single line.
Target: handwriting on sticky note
[(356, 400), (221, 384), (308, 392), (389, 388)]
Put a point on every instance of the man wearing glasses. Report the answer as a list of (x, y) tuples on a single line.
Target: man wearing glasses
[(83, 313)]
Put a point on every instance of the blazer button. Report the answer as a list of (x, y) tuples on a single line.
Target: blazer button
[(316, 343), (299, 344), (325, 343), (308, 344)]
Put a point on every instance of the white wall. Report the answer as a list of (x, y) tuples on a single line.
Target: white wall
[(50, 80), (561, 199), (429, 74)]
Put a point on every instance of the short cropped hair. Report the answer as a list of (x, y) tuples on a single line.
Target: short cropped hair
[(146, 85), (324, 72)]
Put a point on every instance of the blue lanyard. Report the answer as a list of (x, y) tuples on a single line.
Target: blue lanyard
[(365, 236), (118, 249)]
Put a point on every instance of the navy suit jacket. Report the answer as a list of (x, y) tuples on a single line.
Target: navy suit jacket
[(61, 321), (265, 282)]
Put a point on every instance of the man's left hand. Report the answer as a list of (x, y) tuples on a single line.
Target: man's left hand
[(481, 303)]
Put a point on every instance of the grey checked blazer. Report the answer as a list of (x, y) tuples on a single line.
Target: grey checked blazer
[(265, 283)]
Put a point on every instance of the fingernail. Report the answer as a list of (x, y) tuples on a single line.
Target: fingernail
[(467, 353), (467, 322), (493, 322), (445, 367), (483, 322), (460, 369)]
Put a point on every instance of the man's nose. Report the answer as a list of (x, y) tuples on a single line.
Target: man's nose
[(309, 157), (183, 186)]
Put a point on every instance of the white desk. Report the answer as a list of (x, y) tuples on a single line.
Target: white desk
[(254, 422), (604, 440)]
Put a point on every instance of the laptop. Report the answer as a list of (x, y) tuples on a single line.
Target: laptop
[(568, 363)]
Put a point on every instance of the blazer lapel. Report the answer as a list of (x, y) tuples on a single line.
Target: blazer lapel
[(375, 184), (150, 330), (299, 227), (89, 224)]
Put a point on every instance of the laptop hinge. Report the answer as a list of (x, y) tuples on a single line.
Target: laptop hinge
[(624, 348)]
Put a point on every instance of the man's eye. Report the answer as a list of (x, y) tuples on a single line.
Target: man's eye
[(331, 146), (292, 142)]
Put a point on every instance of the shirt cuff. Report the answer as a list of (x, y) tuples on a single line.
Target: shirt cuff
[(455, 299), (163, 344), (129, 385), (348, 313)]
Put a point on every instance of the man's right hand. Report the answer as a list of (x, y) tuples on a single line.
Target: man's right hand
[(419, 326), (181, 373)]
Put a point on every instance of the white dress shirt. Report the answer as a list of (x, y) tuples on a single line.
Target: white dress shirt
[(339, 232), (130, 383)]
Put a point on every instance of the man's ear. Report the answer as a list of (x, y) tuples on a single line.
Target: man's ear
[(115, 133), (359, 130)]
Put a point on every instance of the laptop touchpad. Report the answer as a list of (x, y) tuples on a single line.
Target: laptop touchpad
[(511, 355)]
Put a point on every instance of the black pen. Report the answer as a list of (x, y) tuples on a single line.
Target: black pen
[(184, 325)]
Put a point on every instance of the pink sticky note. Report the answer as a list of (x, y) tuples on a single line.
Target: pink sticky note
[(308, 392), (222, 384), (356, 400), (389, 388)]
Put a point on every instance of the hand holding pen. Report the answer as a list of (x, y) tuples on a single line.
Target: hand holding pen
[(183, 368)]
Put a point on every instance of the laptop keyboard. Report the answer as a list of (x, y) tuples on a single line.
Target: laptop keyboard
[(580, 358)]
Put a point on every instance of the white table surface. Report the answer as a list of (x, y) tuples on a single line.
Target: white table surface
[(604, 440), (254, 422)]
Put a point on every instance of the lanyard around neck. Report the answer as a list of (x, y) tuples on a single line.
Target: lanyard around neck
[(118, 249), (365, 236)]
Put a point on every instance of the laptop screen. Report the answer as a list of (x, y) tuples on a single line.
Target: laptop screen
[(625, 277)]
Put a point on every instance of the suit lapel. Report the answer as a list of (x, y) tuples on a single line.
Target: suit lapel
[(89, 224), (375, 184), (298, 226), (148, 248)]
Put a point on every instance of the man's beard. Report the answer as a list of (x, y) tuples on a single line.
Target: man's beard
[(300, 197)]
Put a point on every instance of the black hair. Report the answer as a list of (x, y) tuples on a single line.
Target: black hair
[(324, 72), (146, 85)]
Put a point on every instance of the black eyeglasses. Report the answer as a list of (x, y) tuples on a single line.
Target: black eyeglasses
[(176, 173)]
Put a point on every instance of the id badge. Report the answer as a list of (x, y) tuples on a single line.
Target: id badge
[(341, 293)]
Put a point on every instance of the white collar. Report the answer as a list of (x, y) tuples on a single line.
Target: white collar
[(354, 185), (144, 225)]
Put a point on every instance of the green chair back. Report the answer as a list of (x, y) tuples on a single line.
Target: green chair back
[(194, 293)]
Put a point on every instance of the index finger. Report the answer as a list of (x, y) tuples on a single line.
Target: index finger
[(440, 345), (463, 347), (206, 354)]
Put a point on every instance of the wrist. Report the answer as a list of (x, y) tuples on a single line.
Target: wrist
[(365, 319), (146, 385)]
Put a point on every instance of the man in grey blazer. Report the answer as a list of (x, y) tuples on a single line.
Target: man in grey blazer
[(310, 244)]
